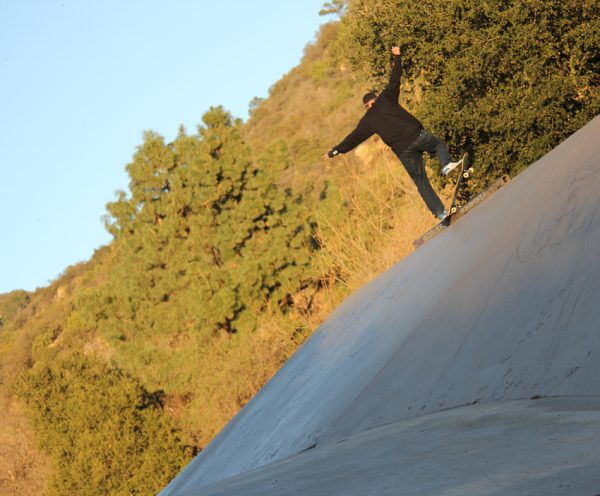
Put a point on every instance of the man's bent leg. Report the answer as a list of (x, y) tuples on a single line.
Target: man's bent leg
[(413, 163)]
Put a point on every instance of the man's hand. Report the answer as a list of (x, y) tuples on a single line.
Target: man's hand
[(396, 50), (326, 157)]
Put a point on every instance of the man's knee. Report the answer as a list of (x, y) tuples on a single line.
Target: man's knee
[(414, 170), (410, 162), (418, 177)]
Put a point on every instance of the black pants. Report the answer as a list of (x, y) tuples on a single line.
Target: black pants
[(412, 159)]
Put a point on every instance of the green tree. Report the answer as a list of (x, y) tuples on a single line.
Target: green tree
[(204, 222), (206, 244), (505, 79), (11, 303), (337, 7), (104, 432), (254, 104)]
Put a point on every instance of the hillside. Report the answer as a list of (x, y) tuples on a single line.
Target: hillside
[(202, 379), (232, 245)]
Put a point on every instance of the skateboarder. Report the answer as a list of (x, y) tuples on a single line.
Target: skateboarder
[(403, 133)]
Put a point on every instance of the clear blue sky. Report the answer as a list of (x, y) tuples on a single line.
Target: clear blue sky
[(80, 80)]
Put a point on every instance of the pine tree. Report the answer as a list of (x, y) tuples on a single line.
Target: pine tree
[(206, 241)]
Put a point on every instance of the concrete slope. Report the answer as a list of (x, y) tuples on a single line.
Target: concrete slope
[(503, 305), (548, 447)]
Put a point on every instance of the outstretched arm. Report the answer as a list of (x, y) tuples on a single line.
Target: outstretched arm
[(355, 138), (392, 90)]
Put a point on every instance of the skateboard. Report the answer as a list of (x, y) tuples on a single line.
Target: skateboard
[(459, 194)]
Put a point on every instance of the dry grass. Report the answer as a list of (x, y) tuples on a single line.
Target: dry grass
[(386, 214), (23, 469)]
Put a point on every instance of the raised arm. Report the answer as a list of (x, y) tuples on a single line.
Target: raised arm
[(392, 90), (361, 133)]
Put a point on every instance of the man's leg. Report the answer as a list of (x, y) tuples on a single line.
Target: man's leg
[(413, 163), (429, 143)]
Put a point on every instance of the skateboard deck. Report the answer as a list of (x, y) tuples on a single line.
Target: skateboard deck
[(463, 175)]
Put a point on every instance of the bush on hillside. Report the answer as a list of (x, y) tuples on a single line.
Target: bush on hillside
[(104, 432)]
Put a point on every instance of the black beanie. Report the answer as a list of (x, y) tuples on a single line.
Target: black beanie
[(369, 96)]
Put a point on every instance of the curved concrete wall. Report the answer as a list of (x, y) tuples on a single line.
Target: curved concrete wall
[(503, 305)]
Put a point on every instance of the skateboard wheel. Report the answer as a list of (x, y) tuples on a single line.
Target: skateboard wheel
[(453, 210), (466, 174)]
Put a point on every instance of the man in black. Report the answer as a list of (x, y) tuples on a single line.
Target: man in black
[(403, 133)]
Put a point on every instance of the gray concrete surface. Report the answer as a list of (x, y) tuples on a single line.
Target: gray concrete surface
[(503, 305), (548, 447)]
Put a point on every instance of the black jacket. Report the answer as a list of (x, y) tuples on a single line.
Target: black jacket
[(396, 127)]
